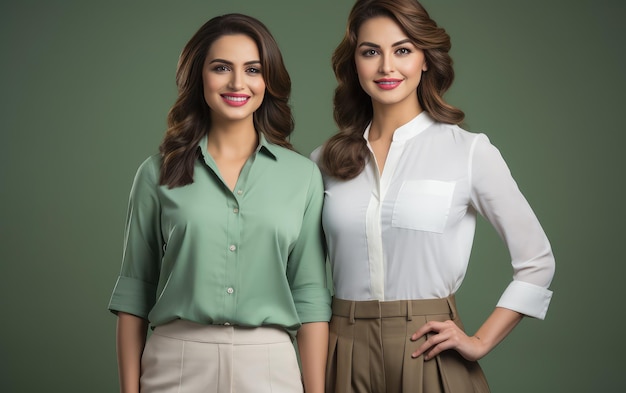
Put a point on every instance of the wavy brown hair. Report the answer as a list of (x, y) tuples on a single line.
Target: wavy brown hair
[(189, 120), (344, 155)]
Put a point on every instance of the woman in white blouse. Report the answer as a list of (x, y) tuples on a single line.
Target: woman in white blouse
[(403, 186)]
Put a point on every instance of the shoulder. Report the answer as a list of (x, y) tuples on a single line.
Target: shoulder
[(316, 154), (294, 168), (152, 162), (456, 133), (292, 160), (458, 138), (148, 171)]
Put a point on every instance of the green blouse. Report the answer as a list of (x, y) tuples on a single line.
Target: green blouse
[(206, 254)]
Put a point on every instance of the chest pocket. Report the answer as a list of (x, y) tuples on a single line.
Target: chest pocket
[(423, 205)]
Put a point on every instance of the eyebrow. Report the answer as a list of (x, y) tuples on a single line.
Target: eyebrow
[(373, 45), (231, 63)]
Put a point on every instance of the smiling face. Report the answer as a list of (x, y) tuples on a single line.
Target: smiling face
[(388, 64), (233, 83)]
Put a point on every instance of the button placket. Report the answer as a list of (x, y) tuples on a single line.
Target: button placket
[(233, 244)]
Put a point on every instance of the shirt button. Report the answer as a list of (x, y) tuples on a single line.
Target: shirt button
[(226, 323), (232, 247), (239, 192), (235, 210), (230, 291)]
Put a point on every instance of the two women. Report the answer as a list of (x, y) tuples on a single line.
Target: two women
[(223, 245), (403, 187), (223, 250)]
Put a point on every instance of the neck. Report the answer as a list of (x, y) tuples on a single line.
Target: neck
[(232, 139), (387, 119)]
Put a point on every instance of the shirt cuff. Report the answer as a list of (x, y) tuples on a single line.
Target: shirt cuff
[(312, 304), (132, 296), (528, 299)]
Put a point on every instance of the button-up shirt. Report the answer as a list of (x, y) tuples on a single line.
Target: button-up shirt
[(250, 257), (408, 233)]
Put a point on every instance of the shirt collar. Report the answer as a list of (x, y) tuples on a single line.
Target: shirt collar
[(264, 146), (408, 130)]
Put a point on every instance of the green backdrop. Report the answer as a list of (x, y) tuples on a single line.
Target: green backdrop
[(85, 89)]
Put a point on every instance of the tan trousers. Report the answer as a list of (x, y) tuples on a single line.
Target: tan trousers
[(185, 357), (370, 350)]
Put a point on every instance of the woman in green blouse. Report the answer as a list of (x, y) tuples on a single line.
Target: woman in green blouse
[(223, 244)]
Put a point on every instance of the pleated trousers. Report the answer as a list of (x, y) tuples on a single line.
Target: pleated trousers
[(370, 350), (183, 356)]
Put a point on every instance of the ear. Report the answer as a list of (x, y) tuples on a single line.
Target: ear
[(425, 67)]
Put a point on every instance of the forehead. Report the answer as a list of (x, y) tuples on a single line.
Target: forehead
[(234, 47), (380, 30)]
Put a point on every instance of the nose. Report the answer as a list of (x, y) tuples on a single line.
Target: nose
[(236, 81), (386, 64)]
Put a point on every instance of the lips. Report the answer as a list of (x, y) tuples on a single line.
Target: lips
[(235, 99), (388, 83)]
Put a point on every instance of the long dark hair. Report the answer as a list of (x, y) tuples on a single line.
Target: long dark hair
[(344, 155), (189, 119)]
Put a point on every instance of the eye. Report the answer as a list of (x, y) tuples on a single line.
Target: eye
[(221, 68), (403, 51), (369, 52), (253, 70)]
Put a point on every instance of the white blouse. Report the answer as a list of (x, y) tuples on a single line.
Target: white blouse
[(408, 233)]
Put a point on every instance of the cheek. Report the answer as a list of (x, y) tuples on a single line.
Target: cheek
[(413, 69), (364, 73), (258, 86), (210, 85), (364, 85), (364, 68), (207, 88), (421, 63)]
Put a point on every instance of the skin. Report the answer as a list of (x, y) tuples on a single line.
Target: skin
[(232, 69), (385, 57), (313, 347), (389, 67), (233, 89), (232, 139), (131, 339), (449, 336)]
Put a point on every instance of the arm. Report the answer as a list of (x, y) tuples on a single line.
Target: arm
[(135, 290), (307, 277), (496, 196), (449, 336), (131, 338), (313, 348)]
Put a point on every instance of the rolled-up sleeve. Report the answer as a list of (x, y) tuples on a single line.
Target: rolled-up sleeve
[(136, 286), (497, 197), (306, 269)]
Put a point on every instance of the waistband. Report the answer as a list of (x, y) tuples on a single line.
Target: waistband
[(374, 309), (218, 334)]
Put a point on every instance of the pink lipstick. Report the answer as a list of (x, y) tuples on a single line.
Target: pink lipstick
[(388, 83), (233, 99)]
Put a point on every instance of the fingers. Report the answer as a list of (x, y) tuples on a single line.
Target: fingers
[(428, 327), (447, 336)]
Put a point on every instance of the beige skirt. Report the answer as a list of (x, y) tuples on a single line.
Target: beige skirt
[(183, 356), (370, 350)]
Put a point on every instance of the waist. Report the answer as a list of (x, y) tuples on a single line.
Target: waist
[(374, 309), (220, 334)]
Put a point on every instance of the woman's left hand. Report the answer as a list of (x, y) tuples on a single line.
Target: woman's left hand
[(442, 336)]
